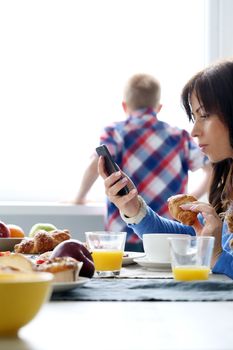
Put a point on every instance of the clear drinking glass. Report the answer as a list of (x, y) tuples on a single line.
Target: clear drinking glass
[(191, 257), (107, 249)]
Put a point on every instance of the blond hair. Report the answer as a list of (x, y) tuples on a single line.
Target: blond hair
[(141, 91)]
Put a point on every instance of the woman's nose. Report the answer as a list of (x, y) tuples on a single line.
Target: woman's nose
[(195, 130)]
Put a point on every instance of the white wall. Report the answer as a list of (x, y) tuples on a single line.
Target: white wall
[(219, 44), (76, 218), (219, 30), (63, 69)]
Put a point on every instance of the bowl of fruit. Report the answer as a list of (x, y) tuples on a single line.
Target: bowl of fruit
[(10, 235)]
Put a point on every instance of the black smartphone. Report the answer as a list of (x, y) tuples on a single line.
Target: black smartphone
[(110, 165)]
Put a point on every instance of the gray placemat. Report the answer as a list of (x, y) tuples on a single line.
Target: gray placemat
[(148, 290)]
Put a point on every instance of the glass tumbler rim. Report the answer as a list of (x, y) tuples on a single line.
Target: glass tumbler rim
[(191, 238), (104, 233)]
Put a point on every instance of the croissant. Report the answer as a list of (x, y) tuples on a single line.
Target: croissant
[(59, 236), (43, 241), (187, 217)]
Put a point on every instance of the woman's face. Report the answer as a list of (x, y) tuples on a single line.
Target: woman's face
[(211, 133)]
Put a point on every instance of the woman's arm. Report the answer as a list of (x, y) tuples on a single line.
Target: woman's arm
[(152, 222), (224, 263), (130, 206)]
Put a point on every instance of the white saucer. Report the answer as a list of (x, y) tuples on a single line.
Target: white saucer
[(64, 286), (129, 257), (153, 265)]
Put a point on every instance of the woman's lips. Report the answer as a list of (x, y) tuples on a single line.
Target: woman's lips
[(203, 147)]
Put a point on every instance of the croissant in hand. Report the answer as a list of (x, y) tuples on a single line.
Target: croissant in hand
[(187, 217), (42, 242)]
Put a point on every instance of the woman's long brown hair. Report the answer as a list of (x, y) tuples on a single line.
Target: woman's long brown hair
[(219, 195), (213, 87)]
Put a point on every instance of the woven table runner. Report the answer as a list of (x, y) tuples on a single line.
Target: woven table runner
[(98, 289)]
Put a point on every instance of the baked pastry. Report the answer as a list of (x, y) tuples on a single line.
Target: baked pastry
[(42, 242), (186, 217), (59, 236), (64, 269), (16, 263), (44, 256)]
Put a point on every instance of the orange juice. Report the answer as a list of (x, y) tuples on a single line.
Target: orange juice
[(191, 273), (107, 260)]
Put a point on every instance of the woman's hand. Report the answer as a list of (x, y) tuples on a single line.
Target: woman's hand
[(212, 225), (128, 204)]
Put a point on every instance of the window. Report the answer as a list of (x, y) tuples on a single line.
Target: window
[(63, 68)]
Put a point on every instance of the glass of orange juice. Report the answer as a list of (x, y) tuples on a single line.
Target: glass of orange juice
[(191, 257), (107, 249)]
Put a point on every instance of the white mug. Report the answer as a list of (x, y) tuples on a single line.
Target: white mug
[(156, 246)]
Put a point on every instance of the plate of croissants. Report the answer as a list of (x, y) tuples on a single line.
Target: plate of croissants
[(33, 254), (41, 242)]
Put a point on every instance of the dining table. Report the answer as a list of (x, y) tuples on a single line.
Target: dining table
[(142, 309)]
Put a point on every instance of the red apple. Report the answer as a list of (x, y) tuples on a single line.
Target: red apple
[(75, 249), (4, 230)]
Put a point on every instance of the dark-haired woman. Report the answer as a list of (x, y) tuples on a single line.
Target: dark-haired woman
[(208, 101)]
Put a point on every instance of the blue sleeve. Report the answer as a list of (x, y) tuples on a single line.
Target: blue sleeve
[(224, 264), (153, 223)]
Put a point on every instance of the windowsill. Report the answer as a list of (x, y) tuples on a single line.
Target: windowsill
[(50, 208)]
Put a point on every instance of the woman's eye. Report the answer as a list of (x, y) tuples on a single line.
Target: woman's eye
[(204, 116)]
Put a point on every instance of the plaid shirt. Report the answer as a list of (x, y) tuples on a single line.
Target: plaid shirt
[(157, 158)]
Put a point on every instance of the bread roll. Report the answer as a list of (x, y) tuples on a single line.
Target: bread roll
[(186, 217), (64, 269)]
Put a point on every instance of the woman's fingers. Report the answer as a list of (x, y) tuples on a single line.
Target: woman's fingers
[(199, 207), (113, 183), (197, 227), (212, 222)]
